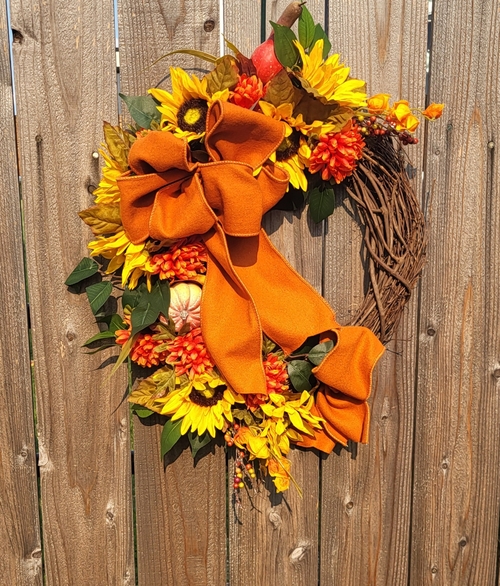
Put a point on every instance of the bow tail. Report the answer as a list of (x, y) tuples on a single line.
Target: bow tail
[(229, 321)]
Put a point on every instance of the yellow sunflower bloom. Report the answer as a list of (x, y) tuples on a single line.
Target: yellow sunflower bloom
[(122, 252), (203, 403), (184, 111), (107, 192), (329, 78)]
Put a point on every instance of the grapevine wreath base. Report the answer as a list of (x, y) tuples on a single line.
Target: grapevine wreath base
[(239, 343)]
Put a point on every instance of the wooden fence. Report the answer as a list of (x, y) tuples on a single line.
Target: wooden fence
[(420, 505)]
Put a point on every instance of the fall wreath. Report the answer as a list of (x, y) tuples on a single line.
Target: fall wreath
[(241, 344)]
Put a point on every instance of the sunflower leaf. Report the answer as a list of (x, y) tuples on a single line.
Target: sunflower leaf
[(306, 28), (318, 353), (321, 203), (231, 46), (170, 435), (141, 412), (224, 76), (142, 109), (143, 316), (280, 90), (98, 294), (99, 336), (117, 143), (319, 33), (198, 441), (300, 372), (102, 219), (286, 52), (131, 297), (83, 270)]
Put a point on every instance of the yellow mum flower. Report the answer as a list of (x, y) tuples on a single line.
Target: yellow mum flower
[(203, 403), (184, 111), (329, 78)]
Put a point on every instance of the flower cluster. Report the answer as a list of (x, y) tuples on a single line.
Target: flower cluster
[(328, 123)]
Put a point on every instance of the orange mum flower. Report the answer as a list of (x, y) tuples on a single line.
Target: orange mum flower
[(183, 260), (336, 153), (144, 351), (189, 354), (248, 90), (277, 381)]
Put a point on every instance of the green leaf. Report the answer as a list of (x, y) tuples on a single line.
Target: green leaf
[(170, 435), (131, 297), (306, 28), (286, 52), (99, 336), (319, 33), (318, 353), (84, 269), (307, 345), (192, 52), (141, 411), (116, 323), (161, 292), (143, 316), (321, 203), (300, 372), (98, 294), (142, 109), (198, 441)]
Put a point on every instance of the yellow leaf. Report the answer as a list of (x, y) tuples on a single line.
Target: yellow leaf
[(118, 144), (103, 218), (280, 90), (224, 76)]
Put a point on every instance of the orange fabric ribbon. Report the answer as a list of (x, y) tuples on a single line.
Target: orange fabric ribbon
[(249, 286)]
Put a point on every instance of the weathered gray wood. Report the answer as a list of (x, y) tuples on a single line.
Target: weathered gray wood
[(66, 86), (278, 538), (181, 530), (456, 488), (366, 494), (21, 557)]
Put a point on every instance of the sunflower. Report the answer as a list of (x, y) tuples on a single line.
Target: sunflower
[(293, 152), (122, 253), (203, 403), (329, 78), (184, 111)]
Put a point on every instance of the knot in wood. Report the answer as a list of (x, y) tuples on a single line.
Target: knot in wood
[(275, 518), (209, 25)]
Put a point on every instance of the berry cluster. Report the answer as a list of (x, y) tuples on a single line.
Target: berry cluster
[(242, 467), (379, 127)]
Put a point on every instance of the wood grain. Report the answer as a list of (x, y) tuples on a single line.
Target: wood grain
[(66, 86), (21, 557), (277, 535), (366, 490), (457, 493), (181, 528)]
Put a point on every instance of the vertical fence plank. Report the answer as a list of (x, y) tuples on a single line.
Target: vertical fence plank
[(366, 494), (66, 81), (20, 560), (269, 528), (181, 512), (457, 493)]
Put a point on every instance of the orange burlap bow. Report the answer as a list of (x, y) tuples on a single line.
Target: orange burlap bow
[(249, 286)]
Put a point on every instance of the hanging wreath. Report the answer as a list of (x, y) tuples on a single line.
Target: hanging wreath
[(241, 344)]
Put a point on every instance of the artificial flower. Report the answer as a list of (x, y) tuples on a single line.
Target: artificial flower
[(329, 78), (203, 403), (185, 259), (402, 114), (378, 103), (433, 111), (184, 111), (336, 154), (292, 155), (247, 92), (280, 472), (189, 354)]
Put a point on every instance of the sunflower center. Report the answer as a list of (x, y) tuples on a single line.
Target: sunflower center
[(288, 147), (207, 397), (192, 115)]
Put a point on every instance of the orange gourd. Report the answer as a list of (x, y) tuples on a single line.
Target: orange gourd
[(185, 305)]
